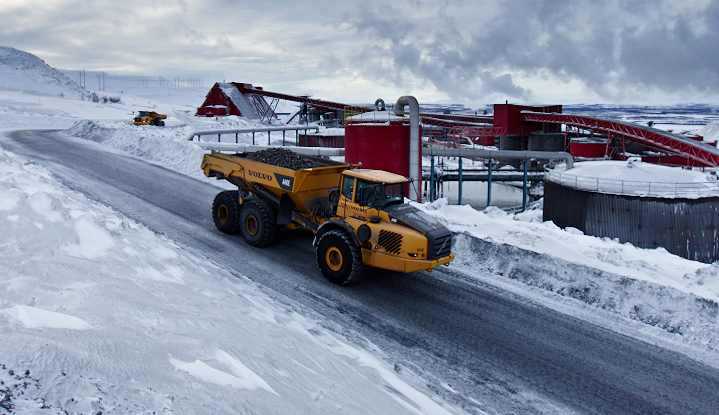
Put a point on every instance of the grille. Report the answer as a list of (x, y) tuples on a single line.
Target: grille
[(439, 243), (390, 241)]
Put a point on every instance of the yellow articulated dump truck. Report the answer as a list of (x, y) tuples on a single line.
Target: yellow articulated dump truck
[(149, 118), (358, 216)]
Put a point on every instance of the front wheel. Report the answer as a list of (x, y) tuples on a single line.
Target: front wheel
[(340, 260)]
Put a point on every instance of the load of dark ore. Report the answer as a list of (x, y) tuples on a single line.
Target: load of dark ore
[(281, 157)]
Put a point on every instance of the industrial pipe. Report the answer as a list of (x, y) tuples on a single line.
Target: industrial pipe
[(191, 136), (379, 105), (248, 148), (506, 154), (414, 141)]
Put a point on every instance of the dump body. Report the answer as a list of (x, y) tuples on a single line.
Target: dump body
[(306, 188)]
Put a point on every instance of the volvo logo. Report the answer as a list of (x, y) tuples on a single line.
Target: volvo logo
[(260, 175)]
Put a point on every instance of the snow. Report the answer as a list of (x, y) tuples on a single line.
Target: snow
[(239, 100), (376, 117), (101, 310), (243, 377), (527, 231), (710, 132), (636, 178), (34, 318), (26, 72), (99, 314)]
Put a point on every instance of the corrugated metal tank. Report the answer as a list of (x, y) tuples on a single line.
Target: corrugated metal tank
[(684, 227)]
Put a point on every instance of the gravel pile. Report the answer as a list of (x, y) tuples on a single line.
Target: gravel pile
[(284, 158)]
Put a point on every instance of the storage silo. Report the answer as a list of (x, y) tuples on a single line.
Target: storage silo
[(644, 204)]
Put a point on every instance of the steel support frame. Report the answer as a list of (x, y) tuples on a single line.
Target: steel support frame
[(651, 138), (472, 133)]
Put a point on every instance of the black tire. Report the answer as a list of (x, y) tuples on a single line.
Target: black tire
[(226, 211), (160, 123), (258, 221), (340, 260)]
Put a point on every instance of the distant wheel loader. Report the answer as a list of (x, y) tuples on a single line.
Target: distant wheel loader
[(149, 118), (358, 216)]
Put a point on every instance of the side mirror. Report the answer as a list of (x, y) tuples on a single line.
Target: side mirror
[(334, 195)]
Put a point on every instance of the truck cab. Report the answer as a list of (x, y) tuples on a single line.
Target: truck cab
[(387, 232), (364, 192)]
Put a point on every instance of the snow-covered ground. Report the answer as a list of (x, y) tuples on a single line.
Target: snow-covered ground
[(97, 313)]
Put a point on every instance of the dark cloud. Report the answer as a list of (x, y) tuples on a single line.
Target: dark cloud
[(477, 50), (610, 46)]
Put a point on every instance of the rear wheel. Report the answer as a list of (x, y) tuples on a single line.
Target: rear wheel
[(259, 222), (340, 260), (226, 211)]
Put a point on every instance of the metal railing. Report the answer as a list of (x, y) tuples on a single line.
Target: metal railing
[(634, 188), (370, 115), (268, 130)]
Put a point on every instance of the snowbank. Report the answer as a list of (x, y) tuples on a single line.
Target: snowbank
[(648, 285), (160, 145)]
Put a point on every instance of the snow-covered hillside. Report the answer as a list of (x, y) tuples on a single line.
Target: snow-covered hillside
[(97, 313), (710, 132), (22, 71)]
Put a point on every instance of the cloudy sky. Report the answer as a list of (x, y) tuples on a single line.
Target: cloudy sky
[(469, 52)]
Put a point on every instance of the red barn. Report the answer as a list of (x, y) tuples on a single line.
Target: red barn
[(229, 99)]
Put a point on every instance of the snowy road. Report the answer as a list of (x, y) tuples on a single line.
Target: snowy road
[(498, 352)]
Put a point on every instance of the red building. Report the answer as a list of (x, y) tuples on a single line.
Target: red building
[(230, 99)]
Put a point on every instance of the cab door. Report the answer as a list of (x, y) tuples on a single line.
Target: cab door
[(346, 195)]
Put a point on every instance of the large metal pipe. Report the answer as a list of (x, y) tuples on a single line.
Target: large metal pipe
[(414, 141), (191, 136), (249, 148), (507, 154)]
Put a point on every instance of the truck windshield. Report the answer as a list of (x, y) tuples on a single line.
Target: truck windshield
[(379, 195), (143, 113)]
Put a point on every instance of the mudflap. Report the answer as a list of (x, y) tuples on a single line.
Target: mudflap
[(284, 213)]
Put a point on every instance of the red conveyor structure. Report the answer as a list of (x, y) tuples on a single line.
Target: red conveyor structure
[(699, 153), (248, 89), (512, 120)]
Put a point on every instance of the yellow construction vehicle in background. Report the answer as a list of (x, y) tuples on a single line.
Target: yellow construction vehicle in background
[(359, 216), (149, 118)]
